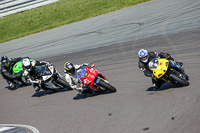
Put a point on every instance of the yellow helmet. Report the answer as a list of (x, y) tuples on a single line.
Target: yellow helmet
[(69, 67)]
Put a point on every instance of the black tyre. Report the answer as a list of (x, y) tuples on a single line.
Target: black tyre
[(63, 83), (179, 80), (107, 86)]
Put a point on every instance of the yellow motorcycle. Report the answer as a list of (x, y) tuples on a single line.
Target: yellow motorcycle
[(168, 70)]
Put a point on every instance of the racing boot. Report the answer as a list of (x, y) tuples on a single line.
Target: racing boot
[(85, 92), (12, 86), (36, 88), (155, 87), (18, 83), (157, 83)]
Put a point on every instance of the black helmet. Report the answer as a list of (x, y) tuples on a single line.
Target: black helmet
[(69, 67), (5, 61)]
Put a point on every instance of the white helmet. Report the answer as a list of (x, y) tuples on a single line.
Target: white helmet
[(143, 55), (27, 64)]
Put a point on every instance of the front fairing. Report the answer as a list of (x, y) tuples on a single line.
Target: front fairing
[(159, 66), (17, 67), (82, 73), (87, 75), (45, 72)]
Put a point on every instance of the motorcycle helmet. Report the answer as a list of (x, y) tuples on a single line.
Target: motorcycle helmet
[(143, 55), (69, 67), (5, 61), (27, 64)]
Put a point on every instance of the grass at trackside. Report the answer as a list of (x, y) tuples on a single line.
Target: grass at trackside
[(56, 14)]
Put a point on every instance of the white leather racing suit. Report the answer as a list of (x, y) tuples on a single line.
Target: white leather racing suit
[(72, 79)]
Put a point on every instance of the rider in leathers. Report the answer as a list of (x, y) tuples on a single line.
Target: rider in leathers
[(29, 71), (7, 73), (144, 58), (71, 76)]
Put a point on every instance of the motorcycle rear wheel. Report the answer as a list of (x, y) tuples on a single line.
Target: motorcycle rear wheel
[(107, 86), (180, 80)]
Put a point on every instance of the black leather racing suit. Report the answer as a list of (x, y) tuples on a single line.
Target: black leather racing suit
[(7, 72)]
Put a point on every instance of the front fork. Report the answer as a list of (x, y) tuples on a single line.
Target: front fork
[(96, 83), (180, 74)]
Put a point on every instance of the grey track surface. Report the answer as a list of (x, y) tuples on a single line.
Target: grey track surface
[(145, 20), (134, 108)]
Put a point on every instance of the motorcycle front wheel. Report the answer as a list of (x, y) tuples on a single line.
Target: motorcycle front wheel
[(63, 83), (179, 80), (107, 86)]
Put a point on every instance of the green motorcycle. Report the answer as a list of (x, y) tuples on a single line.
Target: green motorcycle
[(17, 68)]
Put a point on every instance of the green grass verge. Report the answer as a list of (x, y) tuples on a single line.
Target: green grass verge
[(57, 14)]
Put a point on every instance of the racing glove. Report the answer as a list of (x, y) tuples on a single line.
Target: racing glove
[(91, 65), (25, 73), (33, 63), (85, 64)]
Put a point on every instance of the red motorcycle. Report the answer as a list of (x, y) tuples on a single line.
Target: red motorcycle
[(94, 80)]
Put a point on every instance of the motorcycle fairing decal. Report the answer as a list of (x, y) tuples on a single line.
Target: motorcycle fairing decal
[(85, 81), (51, 69), (17, 67), (92, 70), (173, 63), (86, 74)]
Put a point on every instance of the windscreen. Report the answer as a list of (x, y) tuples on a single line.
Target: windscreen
[(153, 64), (82, 72), (43, 71)]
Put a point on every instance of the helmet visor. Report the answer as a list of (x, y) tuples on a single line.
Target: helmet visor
[(28, 67), (72, 71), (5, 63), (144, 58)]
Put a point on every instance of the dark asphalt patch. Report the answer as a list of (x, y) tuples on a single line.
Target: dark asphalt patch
[(173, 118), (109, 114), (146, 128)]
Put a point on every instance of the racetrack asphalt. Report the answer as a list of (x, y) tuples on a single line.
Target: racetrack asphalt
[(157, 17), (135, 107)]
